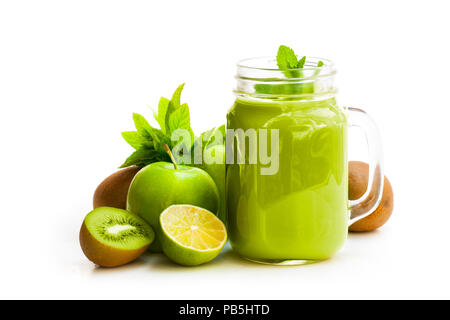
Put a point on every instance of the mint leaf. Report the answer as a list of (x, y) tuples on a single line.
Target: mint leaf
[(155, 137), (176, 97), (134, 139), (142, 125), (301, 62), (159, 139), (286, 58), (140, 157), (319, 64), (174, 104), (179, 119), (162, 109)]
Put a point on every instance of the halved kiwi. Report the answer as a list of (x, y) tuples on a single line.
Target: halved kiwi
[(111, 237)]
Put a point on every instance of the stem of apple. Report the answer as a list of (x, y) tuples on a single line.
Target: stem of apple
[(166, 147)]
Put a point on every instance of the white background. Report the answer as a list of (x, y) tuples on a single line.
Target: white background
[(72, 73)]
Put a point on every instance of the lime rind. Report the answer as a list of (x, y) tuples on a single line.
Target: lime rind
[(195, 221), (191, 235)]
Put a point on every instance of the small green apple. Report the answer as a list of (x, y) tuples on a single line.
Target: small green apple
[(161, 184), (214, 164)]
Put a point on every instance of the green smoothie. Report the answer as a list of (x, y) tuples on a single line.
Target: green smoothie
[(299, 213)]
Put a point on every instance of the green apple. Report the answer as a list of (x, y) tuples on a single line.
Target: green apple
[(214, 164), (161, 184)]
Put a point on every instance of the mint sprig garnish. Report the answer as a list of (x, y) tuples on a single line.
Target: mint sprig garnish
[(287, 59), (149, 142), (292, 66)]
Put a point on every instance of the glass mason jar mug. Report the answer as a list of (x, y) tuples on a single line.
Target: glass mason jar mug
[(286, 172)]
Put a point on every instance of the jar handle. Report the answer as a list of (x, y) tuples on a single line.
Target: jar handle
[(369, 201)]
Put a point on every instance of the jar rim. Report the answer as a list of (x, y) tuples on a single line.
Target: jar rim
[(256, 64), (261, 77)]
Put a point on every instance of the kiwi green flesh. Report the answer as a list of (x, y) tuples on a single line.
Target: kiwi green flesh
[(119, 229)]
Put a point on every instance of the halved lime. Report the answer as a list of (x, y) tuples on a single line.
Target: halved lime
[(191, 235)]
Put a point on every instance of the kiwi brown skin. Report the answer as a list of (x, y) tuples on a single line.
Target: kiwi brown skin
[(104, 255), (113, 191), (358, 177)]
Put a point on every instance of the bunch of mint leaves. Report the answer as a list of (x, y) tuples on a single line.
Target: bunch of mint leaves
[(149, 142), (292, 68)]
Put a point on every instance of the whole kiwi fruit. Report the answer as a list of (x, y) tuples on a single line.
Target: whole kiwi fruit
[(358, 177), (111, 237), (112, 192)]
